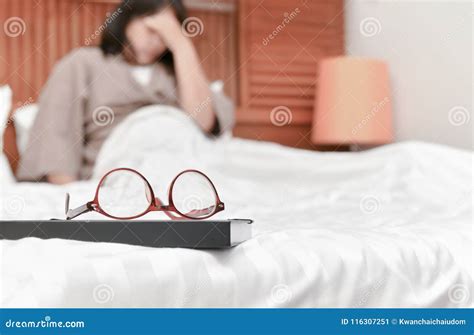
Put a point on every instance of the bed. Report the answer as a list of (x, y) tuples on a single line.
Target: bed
[(387, 227)]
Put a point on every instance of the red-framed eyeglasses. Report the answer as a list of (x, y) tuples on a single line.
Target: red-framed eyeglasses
[(126, 194)]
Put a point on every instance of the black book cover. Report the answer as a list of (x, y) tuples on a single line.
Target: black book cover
[(150, 233)]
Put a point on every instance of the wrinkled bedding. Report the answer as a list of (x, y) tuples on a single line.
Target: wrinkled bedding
[(388, 227)]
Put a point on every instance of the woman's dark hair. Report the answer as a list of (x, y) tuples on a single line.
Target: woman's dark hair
[(113, 37)]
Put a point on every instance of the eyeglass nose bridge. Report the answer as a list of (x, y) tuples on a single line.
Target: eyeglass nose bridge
[(159, 205), (167, 209)]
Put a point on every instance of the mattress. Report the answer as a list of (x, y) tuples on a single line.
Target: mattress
[(387, 227)]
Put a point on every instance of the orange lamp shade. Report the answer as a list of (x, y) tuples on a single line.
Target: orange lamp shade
[(353, 102)]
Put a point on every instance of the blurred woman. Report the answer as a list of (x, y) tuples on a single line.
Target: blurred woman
[(143, 59)]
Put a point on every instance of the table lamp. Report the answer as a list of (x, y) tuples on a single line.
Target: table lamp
[(353, 105)]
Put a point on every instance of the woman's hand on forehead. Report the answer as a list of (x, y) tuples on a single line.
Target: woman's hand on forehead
[(166, 24)]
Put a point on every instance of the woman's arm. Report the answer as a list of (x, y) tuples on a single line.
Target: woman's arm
[(193, 86)]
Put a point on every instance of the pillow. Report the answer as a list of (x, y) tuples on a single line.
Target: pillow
[(24, 118), (6, 175)]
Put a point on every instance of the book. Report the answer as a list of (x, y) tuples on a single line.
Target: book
[(206, 234)]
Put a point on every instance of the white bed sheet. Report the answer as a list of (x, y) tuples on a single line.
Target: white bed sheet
[(389, 227)]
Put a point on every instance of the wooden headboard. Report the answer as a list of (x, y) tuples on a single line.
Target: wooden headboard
[(37, 33), (281, 43)]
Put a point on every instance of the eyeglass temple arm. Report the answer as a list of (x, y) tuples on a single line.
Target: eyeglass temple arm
[(72, 213), (207, 210)]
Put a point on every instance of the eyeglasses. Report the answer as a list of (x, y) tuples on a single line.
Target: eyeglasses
[(125, 194)]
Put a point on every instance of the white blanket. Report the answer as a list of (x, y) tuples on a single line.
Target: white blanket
[(389, 227)]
